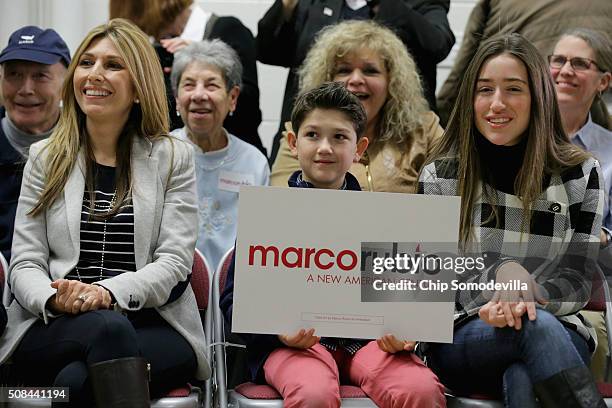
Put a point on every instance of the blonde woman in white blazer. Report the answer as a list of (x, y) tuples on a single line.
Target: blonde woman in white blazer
[(104, 236)]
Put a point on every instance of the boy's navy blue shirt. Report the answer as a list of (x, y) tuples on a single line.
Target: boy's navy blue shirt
[(350, 182), (259, 346)]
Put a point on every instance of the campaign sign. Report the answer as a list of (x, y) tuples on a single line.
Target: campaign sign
[(304, 259)]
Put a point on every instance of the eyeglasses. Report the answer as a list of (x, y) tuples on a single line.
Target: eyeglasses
[(577, 63)]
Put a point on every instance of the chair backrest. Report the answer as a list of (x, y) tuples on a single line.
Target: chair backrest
[(201, 283), (224, 265), (3, 272), (220, 278), (5, 291), (597, 301), (601, 301), (201, 278)]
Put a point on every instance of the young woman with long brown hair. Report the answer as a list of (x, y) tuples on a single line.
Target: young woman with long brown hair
[(532, 202)]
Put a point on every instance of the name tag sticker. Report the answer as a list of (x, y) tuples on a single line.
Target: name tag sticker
[(231, 181)]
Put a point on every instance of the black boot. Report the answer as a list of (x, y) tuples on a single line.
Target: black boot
[(571, 388), (120, 383)]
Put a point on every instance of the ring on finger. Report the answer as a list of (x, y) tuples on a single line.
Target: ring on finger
[(82, 297)]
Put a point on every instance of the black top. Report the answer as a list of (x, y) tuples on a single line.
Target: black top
[(501, 163), (296, 180), (362, 13), (11, 173), (107, 246)]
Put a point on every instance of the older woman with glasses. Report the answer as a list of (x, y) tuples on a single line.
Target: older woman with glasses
[(580, 66)]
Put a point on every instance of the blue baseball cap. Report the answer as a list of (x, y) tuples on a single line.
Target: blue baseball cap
[(34, 44)]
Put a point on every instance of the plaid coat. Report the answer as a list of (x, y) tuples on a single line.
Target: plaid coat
[(559, 249)]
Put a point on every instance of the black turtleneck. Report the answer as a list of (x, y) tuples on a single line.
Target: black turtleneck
[(501, 163)]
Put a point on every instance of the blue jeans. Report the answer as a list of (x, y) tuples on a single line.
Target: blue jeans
[(483, 359)]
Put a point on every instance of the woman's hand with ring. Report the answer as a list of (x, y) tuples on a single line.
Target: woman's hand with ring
[(66, 298), (95, 298)]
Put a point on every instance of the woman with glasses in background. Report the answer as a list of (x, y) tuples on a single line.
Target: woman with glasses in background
[(580, 65)]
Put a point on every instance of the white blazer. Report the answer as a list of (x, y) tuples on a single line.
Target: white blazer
[(47, 247)]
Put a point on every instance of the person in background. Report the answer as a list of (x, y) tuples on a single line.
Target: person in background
[(206, 79), (105, 233), (541, 22), (581, 66), (531, 204), (374, 65), (33, 67), (289, 28), (173, 24)]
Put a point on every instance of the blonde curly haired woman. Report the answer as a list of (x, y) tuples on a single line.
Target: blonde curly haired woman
[(374, 64)]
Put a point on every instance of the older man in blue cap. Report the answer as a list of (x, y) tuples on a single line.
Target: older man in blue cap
[(33, 68)]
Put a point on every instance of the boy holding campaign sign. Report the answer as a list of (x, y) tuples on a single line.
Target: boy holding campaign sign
[(304, 368)]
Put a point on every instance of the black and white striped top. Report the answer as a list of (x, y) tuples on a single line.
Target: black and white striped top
[(107, 246)]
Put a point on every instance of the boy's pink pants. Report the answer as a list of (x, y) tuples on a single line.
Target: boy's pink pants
[(310, 378)]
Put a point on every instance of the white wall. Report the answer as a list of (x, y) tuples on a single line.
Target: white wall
[(73, 18)]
